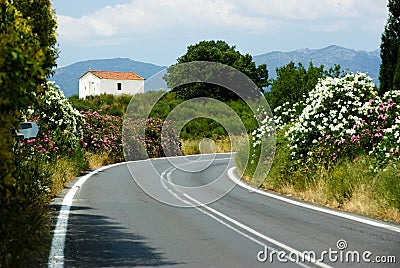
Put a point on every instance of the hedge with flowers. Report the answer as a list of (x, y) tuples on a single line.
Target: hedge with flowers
[(60, 127), (341, 124), (63, 131), (344, 118), (102, 133)]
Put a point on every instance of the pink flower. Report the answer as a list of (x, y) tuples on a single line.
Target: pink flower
[(355, 138), (381, 116), (327, 136)]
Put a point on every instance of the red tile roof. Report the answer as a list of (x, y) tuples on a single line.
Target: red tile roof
[(115, 75)]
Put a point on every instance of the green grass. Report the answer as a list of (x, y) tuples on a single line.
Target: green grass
[(351, 185)]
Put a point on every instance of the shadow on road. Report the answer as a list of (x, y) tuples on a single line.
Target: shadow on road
[(96, 241)]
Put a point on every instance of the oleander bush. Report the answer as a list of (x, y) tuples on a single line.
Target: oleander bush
[(102, 134), (345, 118), (150, 138), (341, 135)]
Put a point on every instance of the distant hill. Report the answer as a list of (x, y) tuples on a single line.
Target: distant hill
[(67, 77), (349, 59)]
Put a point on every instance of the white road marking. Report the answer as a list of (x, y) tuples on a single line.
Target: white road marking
[(231, 223), (254, 232), (233, 177), (240, 232), (56, 256)]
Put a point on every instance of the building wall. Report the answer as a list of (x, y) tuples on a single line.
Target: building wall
[(127, 86), (92, 85), (89, 85)]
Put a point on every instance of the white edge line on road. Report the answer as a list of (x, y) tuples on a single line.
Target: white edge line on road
[(234, 178), (56, 256), (231, 223)]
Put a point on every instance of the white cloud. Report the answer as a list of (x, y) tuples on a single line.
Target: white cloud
[(155, 17), (322, 15), (171, 17), (314, 10)]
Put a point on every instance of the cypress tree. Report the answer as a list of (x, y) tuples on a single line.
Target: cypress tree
[(390, 47), (396, 79)]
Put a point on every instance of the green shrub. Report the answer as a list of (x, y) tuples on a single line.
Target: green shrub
[(282, 167), (341, 184), (26, 232), (388, 185), (243, 164)]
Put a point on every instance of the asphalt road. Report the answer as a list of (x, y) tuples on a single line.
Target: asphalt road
[(113, 222)]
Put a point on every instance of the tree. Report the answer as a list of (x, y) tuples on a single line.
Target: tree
[(40, 16), (27, 56), (390, 47), (293, 82), (396, 78), (221, 52)]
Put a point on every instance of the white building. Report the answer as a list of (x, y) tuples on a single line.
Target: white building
[(105, 82)]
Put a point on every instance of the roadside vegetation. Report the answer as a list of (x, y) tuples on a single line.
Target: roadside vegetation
[(28, 52), (339, 147), (338, 135)]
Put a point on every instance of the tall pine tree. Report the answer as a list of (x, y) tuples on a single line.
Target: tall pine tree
[(390, 48)]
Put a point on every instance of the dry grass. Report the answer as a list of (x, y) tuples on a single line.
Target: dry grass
[(96, 160), (362, 201), (190, 147), (390, 214), (213, 145), (317, 194), (64, 172)]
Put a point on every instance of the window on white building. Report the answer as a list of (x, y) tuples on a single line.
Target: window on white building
[(119, 86)]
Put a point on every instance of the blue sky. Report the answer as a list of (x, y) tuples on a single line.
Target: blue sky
[(159, 31)]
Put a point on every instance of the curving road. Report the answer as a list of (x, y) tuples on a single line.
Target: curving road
[(113, 222)]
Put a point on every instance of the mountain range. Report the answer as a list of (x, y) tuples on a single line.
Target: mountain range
[(350, 61)]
